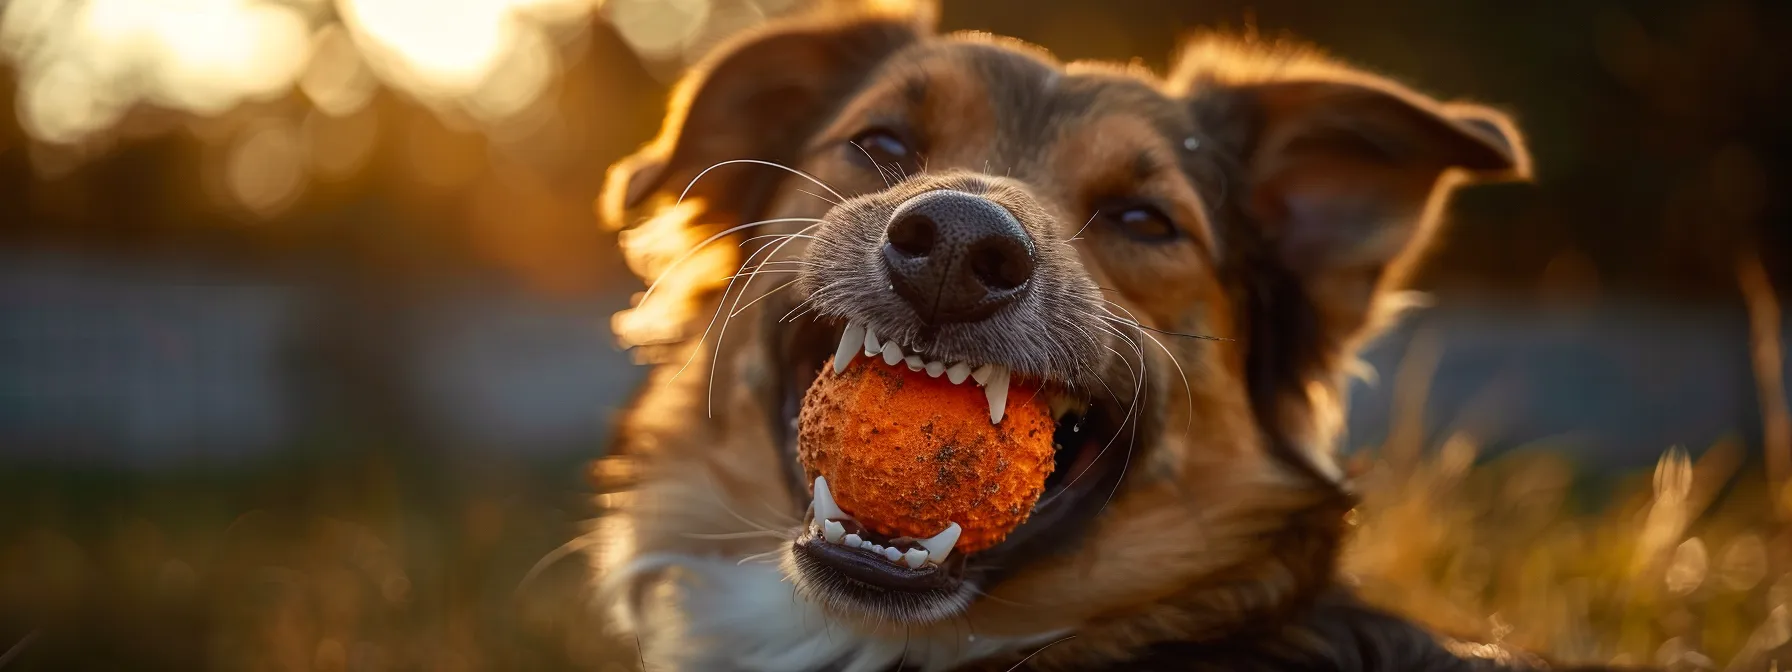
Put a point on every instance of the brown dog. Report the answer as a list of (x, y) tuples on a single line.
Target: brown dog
[(1187, 262)]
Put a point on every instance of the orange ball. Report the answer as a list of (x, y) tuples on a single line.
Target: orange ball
[(906, 454)]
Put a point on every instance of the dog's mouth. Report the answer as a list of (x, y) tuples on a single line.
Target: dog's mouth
[(934, 573)]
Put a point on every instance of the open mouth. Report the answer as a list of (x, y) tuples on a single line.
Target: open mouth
[(915, 507)]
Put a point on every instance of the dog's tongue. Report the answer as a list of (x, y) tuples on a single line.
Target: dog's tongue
[(908, 454)]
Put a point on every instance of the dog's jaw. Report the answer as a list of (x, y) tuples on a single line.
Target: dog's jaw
[(694, 612)]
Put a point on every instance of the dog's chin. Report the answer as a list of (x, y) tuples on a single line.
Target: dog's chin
[(851, 572)]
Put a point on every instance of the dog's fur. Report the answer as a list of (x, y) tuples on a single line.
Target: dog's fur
[(1299, 191)]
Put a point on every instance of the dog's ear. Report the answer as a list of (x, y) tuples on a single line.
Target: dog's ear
[(1343, 178), (759, 97), (1336, 181)]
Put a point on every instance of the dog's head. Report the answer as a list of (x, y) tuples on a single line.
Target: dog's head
[(1185, 262)]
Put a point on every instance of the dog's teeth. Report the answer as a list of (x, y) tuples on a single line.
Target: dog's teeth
[(833, 531), (939, 545), (851, 540), (914, 362), (981, 375), (914, 557), (892, 353), (934, 369), (825, 508), (891, 553), (872, 345), (850, 341), (867, 545), (958, 373), (996, 390)]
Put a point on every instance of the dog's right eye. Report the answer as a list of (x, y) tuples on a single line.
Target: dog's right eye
[(883, 147), (1141, 222)]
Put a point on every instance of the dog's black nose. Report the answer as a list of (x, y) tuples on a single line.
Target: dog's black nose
[(956, 257)]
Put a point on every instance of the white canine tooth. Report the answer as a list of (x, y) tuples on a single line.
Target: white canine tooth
[(850, 340), (892, 353), (832, 530), (825, 508), (982, 373), (934, 369), (939, 545), (893, 554), (997, 393), (852, 540), (914, 557), (958, 373), (914, 362), (872, 345)]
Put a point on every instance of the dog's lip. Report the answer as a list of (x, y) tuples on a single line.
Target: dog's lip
[(871, 569)]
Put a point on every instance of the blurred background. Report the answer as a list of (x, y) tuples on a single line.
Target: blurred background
[(304, 321)]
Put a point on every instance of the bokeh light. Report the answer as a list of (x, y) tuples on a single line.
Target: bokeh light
[(83, 64), (266, 167)]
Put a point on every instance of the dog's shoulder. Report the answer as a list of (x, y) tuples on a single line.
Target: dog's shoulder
[(1339, 633)]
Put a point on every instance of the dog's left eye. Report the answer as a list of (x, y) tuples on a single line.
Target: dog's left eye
[(882, 146), (1142, 222)]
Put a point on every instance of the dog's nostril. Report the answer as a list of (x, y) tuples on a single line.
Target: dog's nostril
[(1001, 263), (914, 235)]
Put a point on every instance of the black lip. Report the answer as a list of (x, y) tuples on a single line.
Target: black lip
[(878, 572)]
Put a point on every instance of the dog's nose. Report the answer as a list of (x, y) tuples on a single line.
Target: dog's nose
[(956, 257)]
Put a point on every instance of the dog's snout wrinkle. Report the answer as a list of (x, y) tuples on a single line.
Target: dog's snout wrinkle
[(956, 257)]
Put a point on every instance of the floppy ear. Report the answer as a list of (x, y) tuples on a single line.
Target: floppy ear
[(1335, 182), (760, 97)]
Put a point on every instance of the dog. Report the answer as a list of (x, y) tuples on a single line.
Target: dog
[(1188, 260)]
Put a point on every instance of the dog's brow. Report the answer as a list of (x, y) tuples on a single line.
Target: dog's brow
[(914, 88), (1144, 165)]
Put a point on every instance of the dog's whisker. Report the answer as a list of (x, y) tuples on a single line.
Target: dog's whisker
[(715, 359), (769, 271), (717, 315), (726, 536), (806, 311), (1134, 416), (1134, 322), (576, 544), (743, 242), (1079, 232), (805, 306), (1138, 384), (715, 490), (773, 164), (1040, 650), (874, 163), (713, 238), (762, 297), (823, 198), (765, 556)]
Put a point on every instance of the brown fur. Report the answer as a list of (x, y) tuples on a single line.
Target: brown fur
[(1311, 186)]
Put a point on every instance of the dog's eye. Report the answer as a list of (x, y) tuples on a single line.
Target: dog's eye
[(882, 146), (1143, 223)]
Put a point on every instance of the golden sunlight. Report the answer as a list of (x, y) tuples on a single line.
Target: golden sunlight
[(83, 64)]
